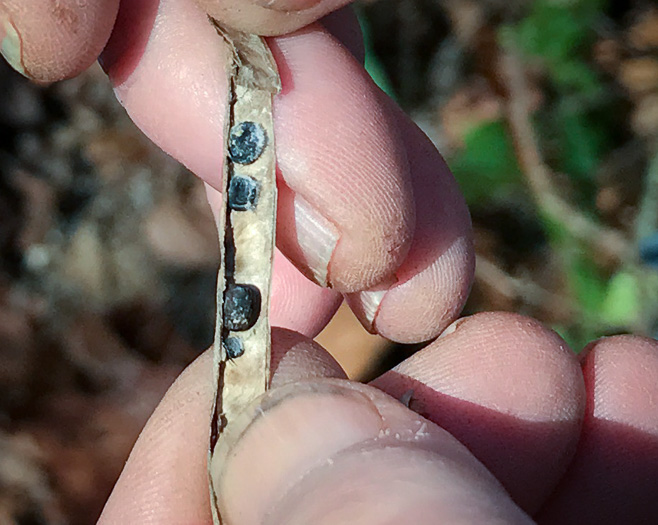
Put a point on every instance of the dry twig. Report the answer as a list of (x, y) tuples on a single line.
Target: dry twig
[(606, 241), (514, 288)]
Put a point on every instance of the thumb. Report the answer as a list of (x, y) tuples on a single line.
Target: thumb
[(48, 41), (269, 17)]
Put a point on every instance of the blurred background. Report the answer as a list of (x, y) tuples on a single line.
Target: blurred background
[(546, 111)]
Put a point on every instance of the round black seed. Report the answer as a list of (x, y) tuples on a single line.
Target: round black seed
[(241, 307), (242, 193), (247, 141), (234, 347)]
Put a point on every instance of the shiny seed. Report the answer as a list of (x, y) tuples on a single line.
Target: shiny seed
[(242, 193), (234, 347), (241, 307), (247, 141)]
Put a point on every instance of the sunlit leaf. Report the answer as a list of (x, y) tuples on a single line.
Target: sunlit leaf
[(621, 305), (486, 167), (372, 64)]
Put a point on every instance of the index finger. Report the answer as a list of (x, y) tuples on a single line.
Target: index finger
[(270, 17), (165, 479), (320, 451), (48, 41)]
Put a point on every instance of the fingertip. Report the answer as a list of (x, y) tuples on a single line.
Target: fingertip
[(49, 41), (289, 431), (621, 374), (508, 388), (424, 302), (432, 284), (169, 48), (269, 17), (615, 471), (350, 225)]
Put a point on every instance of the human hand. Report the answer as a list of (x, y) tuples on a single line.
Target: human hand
[(382, 221), (564, 445), (361, 189)]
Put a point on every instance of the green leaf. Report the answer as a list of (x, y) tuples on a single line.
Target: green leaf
[(576, 76), (372, 64), (555, 228), (486, 167), (583, 142), (622, 302), (557, 33), (378, 74), (574, 336), (588, 284), (551, 31)]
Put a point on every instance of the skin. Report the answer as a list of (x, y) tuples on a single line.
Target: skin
[(503, 425)]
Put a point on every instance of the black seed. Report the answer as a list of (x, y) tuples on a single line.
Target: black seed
[(234, 347), (242, 193), (247, 141), (241, 307)]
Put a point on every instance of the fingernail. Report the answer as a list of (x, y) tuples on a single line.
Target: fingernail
[(11, 44), (317, 237), (370, 302), (451, 329), (288, 5), (366, 304), (284, 436)]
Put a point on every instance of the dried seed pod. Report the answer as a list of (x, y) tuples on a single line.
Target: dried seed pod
[(242, 363)]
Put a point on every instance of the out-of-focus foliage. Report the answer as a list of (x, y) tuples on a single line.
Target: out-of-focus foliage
[(590, 71), (483, 175), (622, 299), (559, 33), (577, 129), (373, 65)]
